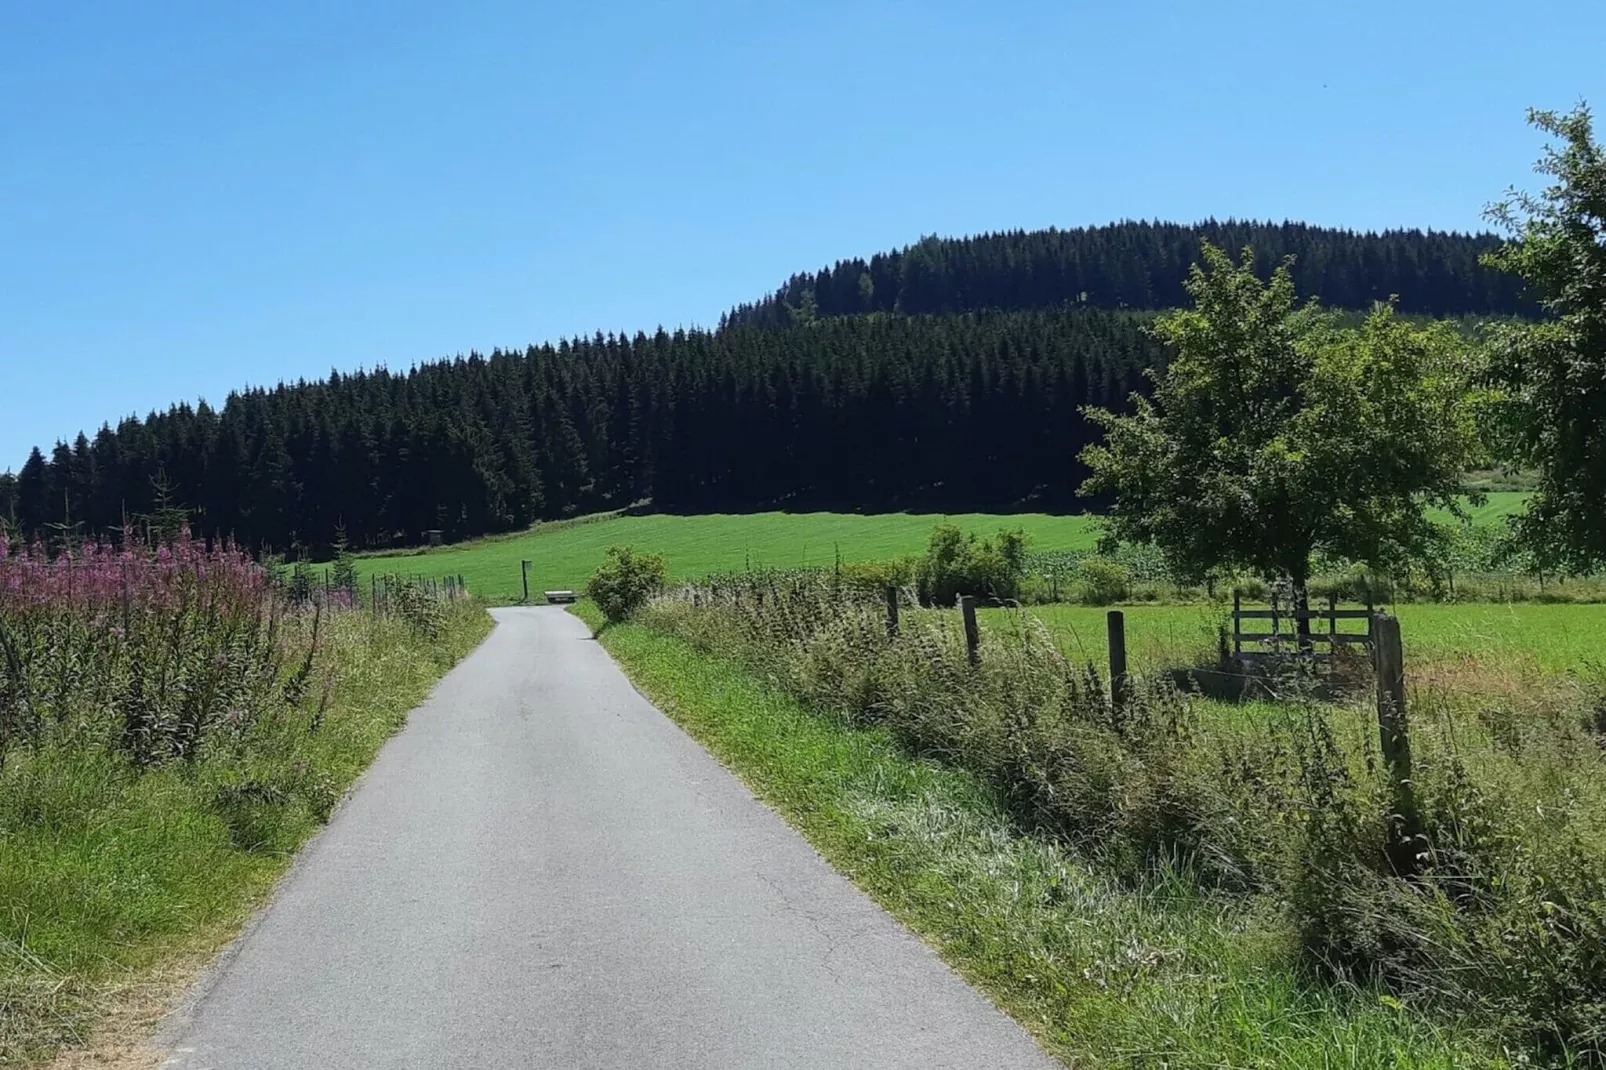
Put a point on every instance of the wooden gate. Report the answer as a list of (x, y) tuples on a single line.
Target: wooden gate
[(1280, 643)]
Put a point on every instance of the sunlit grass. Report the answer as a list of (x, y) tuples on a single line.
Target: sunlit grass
[(564, 555), (1553, 638)]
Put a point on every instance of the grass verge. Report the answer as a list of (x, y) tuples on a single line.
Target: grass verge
[(1104, 974), (117, 885)]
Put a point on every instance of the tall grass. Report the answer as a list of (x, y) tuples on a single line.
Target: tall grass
[(173, 723), (142, 650), (1503, 921)]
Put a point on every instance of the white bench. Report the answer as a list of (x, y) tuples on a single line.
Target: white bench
[(559, 596)]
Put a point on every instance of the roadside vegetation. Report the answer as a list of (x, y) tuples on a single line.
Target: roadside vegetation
[(1282, 811), (174, 722), (1131, 964)]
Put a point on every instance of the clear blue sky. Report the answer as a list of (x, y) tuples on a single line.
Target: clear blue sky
[(195, 196)]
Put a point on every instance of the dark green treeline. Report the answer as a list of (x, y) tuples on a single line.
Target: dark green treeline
[(1143, 265), (854, 412), (948, 376)]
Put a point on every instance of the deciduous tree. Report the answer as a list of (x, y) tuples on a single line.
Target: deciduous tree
[(1553, 373), (1275, 434)]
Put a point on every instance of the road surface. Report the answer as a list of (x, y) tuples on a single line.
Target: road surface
[(541, 870)]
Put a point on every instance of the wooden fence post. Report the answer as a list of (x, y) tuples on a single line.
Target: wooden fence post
[(892, 612), (967, 611), (1237, 625), (524, 573), (1405, 823), (1119, 683)]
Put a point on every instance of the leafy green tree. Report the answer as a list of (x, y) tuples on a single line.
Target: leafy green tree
[(1274, 434), (1553, 373)]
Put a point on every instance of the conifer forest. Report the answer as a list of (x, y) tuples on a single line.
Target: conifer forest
[(949, 375)]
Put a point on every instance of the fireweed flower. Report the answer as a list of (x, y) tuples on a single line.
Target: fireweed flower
[(129, 632)]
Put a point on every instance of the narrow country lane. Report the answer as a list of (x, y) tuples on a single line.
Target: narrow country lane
[(542, 870)]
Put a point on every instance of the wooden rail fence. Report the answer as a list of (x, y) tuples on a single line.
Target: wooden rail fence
[(1278, 642)]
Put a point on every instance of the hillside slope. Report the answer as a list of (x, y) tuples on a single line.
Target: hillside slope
[(949, 376)]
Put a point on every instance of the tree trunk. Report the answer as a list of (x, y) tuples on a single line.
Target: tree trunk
[(1301, 581)]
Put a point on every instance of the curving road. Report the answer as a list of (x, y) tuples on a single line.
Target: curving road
[(541, 870)]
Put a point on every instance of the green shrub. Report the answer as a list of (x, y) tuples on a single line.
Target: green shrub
[(956, 564), (343, 570), (879, 575), (1101, 581), (422, 612), (625, 583)]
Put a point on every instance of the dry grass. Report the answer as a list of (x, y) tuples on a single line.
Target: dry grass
[(131, 1007)]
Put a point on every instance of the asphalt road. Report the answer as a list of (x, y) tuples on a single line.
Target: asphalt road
[(541, 870)]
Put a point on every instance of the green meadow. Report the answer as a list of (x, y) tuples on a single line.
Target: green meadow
[(1516, 636), (564, 554)]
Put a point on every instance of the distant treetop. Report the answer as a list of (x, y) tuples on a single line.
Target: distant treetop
[(1143, 266)]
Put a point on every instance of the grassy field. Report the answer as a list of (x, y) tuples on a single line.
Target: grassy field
[(1552, 638), (1101, 972), (1500, 504), (565, 554)]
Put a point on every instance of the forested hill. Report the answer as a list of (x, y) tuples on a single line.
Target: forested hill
[(974, 411), (1142, 266), (797, 402)]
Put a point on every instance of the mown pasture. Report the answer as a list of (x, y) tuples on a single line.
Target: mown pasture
[(1511, 636), (563, 554)]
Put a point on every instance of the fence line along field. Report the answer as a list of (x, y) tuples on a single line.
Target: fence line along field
[(1546, 637), (564, 554)]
